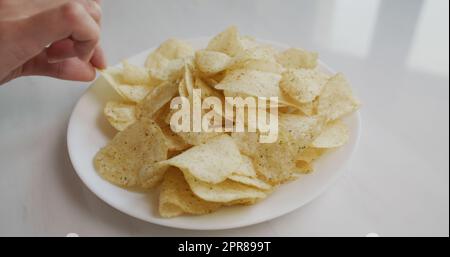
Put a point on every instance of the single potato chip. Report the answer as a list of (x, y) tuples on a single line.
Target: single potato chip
[(135, 75), (211, 162), (251, 82), (336, 99), (262, 52), (254, 182), (304, 167), (134, 93), (130, 93), (247, 142), (173, 141), (335, 134), (227, 42), (259, 65), (121, 160), (113, 76), (167, 62), (188, 80), (177, 198), (246, 168), (151, 174), (225, 191), (165, 69), (206, 90), (159, 97), (296, 58), (310, 154), (303, 85), (248, 42), (175, 49), (211, 62), (182, 90), (275, 162), (120, 115), (299, 131), (197, 138), (309, 109)]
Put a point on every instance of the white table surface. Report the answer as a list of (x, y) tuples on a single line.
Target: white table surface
[(395, 53)]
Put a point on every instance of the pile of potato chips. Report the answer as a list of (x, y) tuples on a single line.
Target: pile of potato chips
[(200, 172)]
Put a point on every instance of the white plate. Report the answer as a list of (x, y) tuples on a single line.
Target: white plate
[(88, 131)]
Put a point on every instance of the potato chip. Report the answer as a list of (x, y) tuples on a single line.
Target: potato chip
[(177, 198), (151, 174), (164, 69), (222, 192), (206, 91), (309, 109), (211, 162), (197, 138), (167, 62), (254, 182), (334, 134), (120, 115), (211, 62), (246, 168), (251, 82), (336, 99), (121, 160), (275, 162), (188, 80), (247, 142), (113, 76), (304, 167), (299, 131), (259, 65), (210, 82), (227, 42), (159, 97), (130, 93), (248, 42), (289, 105), (182, 90), (262, 52), (296, 58), (134, 93), (135, 75), (310, 154), (303, 85), (175, 49), (173, 141)]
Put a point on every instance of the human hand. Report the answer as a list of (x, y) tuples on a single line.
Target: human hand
[(56, 38)]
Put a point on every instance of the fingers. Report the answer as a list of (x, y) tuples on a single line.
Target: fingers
[(69, 69), (70, 20), (61, 50), (73, 30), (67, 48), (93, 8), (85, 31)]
